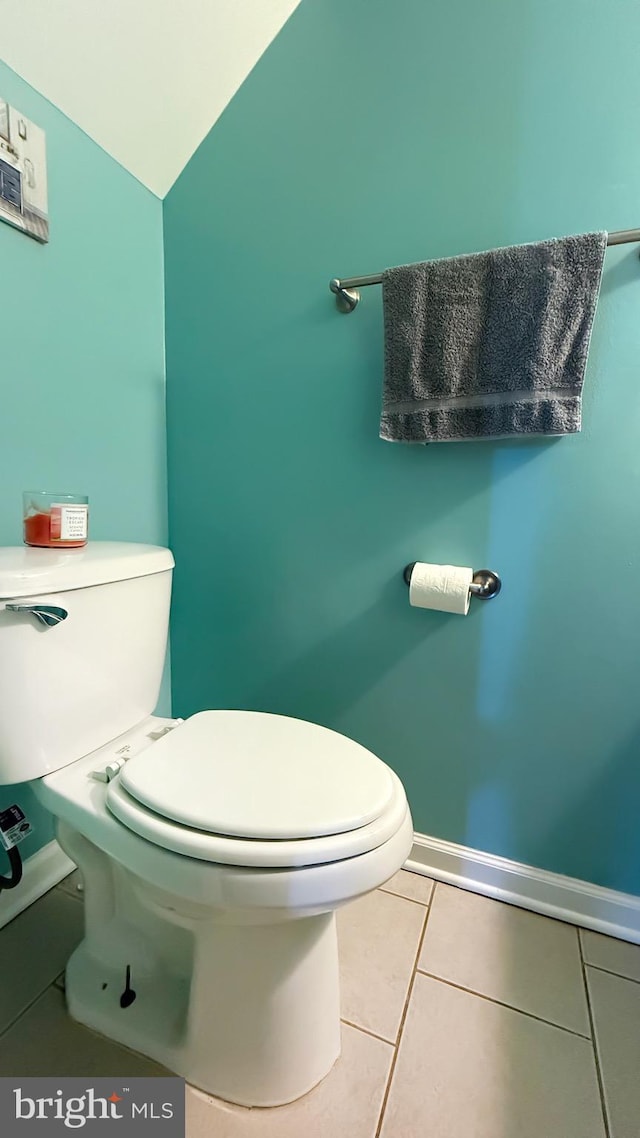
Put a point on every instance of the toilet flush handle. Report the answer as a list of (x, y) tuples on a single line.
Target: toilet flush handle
[(49, 615)]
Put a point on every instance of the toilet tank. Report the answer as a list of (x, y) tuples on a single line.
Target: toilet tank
[(68, 687)]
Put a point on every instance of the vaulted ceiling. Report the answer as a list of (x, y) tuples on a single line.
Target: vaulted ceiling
[(146, 79)]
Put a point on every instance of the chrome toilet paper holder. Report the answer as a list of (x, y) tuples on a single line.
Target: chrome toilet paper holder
[(484, 585)]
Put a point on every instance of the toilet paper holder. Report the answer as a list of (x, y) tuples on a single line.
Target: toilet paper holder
[(485, 584)]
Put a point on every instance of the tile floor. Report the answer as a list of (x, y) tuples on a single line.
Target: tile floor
[(463, 1018)]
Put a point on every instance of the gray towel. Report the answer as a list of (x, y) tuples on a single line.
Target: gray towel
[(491, 344)]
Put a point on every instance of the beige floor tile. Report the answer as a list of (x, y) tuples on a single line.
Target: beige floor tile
[(522, 959), (614, 955), (378, 937), (34, 949), (45, 1041), (345, 1105), (615, 1003), (470, 1068), (411, 885), (72, 884)]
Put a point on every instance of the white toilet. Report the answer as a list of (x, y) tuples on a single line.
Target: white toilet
[(214, 851)]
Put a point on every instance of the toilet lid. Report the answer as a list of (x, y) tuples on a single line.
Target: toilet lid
[(255, 775)]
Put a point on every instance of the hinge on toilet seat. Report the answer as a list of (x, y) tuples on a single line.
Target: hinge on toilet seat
[(106, 773), (155, 735), (115, 765)]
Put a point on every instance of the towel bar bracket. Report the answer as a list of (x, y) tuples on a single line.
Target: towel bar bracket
[(346, 298), (485, 584)]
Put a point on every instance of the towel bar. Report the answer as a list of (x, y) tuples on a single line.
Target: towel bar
[(348, 297), (485, 584)]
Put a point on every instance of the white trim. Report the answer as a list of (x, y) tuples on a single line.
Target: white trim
[(41, 872), (565, 898)]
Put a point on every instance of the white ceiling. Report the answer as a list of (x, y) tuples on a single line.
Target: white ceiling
[(145, 78)]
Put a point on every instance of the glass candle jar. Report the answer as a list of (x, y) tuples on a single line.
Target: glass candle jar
[(58, 520)]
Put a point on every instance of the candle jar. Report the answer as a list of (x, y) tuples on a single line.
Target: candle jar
[(55, 520)]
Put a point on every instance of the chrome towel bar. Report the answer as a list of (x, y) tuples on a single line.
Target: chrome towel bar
[(348, 297)]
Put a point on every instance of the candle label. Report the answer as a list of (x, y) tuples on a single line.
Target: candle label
[(69, 523)]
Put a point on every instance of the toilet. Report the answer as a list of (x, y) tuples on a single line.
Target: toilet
[(215, 851)]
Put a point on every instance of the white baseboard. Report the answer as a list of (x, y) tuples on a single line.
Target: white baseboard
[(565, 898), (40, 873)]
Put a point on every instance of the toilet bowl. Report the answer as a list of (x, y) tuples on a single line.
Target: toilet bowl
[(215, 851)]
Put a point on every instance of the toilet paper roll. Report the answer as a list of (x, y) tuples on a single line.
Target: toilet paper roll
[(441, 587)]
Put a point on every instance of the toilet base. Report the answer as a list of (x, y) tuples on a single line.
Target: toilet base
[(248, 1012)]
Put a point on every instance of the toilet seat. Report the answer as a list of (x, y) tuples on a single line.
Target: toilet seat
[(251, 852), (251, 789), (250, 774)]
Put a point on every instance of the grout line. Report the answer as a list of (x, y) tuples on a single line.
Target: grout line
[(390, 893), (610, 972), (405, 1010), (367, 1031), (94, 1033), (50, 983), (27, 1007), (503, 1004), (594, 1043)]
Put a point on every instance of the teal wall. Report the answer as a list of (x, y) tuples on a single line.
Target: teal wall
[(372, 134), (82, 352)]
